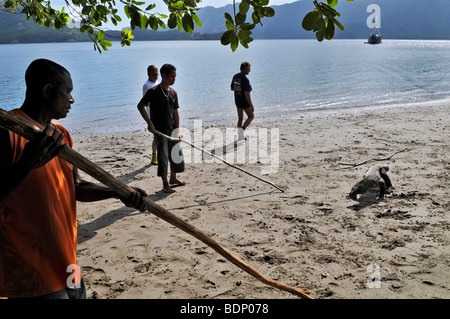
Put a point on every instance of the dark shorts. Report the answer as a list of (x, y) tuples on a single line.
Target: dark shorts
[(241, 101), (168, 152)]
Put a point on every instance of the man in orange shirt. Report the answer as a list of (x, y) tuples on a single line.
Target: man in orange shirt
[(38, 194)]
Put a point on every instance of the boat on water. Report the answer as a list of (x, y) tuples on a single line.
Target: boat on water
[(375, 36)]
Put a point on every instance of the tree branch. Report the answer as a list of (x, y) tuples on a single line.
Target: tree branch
[(376, 159)]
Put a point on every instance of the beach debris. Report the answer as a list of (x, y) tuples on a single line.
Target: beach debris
[(377, 159)]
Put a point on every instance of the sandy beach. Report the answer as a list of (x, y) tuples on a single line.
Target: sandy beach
[(310, 237)]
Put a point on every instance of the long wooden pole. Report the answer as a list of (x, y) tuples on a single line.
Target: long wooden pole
[(219, 158), (29, 131)]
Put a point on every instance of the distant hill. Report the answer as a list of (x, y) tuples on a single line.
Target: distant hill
[(15, 28), (400, 19)]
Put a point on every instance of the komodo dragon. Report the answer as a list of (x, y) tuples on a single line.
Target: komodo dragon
[(374, 177)]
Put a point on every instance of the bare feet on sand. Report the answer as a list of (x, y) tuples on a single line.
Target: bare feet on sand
[(173, 183)]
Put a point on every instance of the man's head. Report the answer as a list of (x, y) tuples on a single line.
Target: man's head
[(245, 67), (168, 73), (49, 85), (152, 72)]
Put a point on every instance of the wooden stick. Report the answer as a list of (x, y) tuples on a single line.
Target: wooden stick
[(377, 159), (29, 131), (219, 158)]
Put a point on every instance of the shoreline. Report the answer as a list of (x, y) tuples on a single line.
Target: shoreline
[(310, 237), (270, 117)]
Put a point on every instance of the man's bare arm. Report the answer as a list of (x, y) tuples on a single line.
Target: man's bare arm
[(91, 192), (145, 116)]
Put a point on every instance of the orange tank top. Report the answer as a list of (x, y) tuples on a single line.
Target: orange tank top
[(38, 226)]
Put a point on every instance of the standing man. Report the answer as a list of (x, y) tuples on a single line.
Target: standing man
[(38, 194), (152, 72), (242, 88), (164, 118)]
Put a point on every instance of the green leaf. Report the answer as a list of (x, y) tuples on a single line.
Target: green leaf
[(240, 18), (268, 12), (100, 35), (320, 35), (127, 13), (310, 20), (338, 24), (229, 25), (179, 23), (234, 43), (86, 10), (245, 35), (329, 33), (126, 33), (329, 11), (196, 19), (153, 23), (105, 44), (319, 25), (102, 9), (247, 26), (228, 17), (243, 7), (144, 22), (255, 17), (172, 22), (188, 24), (333, 3), (243, 43), (177, 5), (227, 37)]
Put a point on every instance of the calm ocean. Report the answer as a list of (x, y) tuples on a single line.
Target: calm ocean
[(288, 76)]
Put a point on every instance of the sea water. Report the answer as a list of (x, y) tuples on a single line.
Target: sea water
[(287, 77)]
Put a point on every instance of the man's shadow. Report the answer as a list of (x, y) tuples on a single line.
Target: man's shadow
[(89, 230), (222, 151), (127, 178)]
